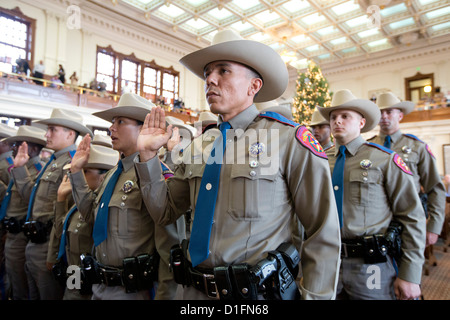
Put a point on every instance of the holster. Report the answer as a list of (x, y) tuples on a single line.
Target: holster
[(59, 271), (37, 231)]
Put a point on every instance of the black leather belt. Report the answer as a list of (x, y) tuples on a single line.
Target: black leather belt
[(110, 276), (352, 248), (203, 280)]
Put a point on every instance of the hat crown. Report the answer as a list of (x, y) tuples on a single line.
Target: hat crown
[(134, 100), (387, 99), (29, 131), (66, 114), (317, 117), (225, 36), (341, 97), (207, 116), (101, 155)]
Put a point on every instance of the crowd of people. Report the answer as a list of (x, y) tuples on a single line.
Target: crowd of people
[(244, 205)]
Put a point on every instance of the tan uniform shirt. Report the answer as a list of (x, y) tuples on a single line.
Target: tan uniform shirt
[(131, 230), (78, 234), (18, 206), (256, 205), (422, 163), (375, 196), (5, 163)]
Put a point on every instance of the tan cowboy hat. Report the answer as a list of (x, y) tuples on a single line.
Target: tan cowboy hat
[(7, 131), (389, 101), (230, 46), (102, 140), (29, 134), (100, 157), (317, 119), (68, 119), (187, 131), (207, 117), (344, 99), (130, 105)]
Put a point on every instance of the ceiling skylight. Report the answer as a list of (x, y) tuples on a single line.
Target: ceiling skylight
[(345, 7), (402, 23)]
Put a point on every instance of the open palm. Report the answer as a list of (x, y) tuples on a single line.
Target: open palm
[(22, 156), (81, 156), (154, 133)]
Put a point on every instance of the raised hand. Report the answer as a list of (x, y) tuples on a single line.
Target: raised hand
[(22, 156), (154, 134), (64, 189), (174, 140), (81, 157)]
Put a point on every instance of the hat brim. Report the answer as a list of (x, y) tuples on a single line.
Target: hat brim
[(136, 113), (366, 108), (405, 106), (27, 139), (81, 129), (263, 59)]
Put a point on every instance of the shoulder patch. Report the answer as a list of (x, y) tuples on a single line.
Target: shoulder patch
[(306, 139), (401, 164), (167, 173), (417, 139), (278, 117), (380, 147)]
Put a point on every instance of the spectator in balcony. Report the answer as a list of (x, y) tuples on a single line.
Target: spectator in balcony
[(74, 81), (62, 74), (127, 88), (38, 72)]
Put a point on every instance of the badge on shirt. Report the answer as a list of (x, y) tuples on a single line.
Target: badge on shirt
[(127, 186), (365, 164), (401, 164), (406, 149), (257, 149)]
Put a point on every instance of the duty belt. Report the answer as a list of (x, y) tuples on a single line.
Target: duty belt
[(372, 248), (204, 280)]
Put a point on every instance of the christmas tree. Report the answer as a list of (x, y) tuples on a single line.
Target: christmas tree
[(312, 91)]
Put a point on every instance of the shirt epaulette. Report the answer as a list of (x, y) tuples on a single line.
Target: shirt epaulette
[(378, 146), (278, 117), (371, 138), (411, 136)]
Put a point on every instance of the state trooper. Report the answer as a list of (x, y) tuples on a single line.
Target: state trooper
[(63, 128), (242, 222), (13, 212), (320, 128), (72, 228), (419, 158), (6, 161), (378, 207), (123, 229)]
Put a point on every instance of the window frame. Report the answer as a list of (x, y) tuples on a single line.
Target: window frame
[(17, 15), (140, 80)]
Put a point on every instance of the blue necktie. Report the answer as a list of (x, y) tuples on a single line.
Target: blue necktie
[(101, 221), (62, 244), (6, 199), (206, 202), (36, 184), (338, 181), (387, 142)]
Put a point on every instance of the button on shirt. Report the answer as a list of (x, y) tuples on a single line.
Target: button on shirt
[(375, 196), (426, 174), (256, 204)]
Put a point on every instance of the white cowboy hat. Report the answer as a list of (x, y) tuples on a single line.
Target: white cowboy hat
[(317, 119), (102, 140), (130, 105), (68, 119), (230, 46), (344, 99), (7, 131), (29, 134), (186, 130), (389, 101)]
